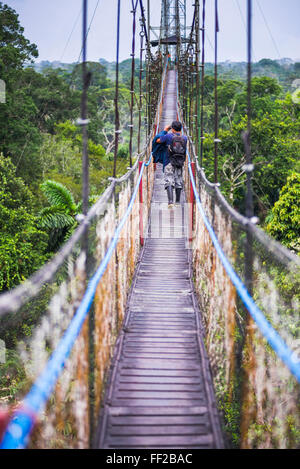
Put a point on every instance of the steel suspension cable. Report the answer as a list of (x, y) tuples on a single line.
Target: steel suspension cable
[(89, 27), (84, 121), (247, 135), (144, 25), (243, 21), (268, 28), (117, 118), (248, 167), (216, 141), (197, 50), (71, 34), (202, 85), (134, 6), (142, 35)]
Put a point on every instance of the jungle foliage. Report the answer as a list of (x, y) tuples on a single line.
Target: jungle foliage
[(275, 141), (40, 142)]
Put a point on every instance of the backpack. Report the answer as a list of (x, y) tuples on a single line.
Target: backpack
[(177, 151)]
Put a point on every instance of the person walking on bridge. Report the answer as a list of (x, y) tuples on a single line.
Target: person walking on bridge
[(170, 150)]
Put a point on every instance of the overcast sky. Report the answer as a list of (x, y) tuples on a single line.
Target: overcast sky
[(49, 25)]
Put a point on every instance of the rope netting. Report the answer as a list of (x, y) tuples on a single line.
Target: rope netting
[(76, 305), (247, 284), (258, 394)]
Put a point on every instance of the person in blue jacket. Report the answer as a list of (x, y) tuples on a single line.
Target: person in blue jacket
[(172, 175)]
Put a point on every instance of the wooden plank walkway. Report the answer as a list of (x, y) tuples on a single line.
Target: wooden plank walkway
[(160, 392)]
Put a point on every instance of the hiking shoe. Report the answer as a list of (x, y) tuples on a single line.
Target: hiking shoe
[(170, 206)]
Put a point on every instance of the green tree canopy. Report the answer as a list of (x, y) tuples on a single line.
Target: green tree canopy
[(22, 244), (284, 220), (15, 48)]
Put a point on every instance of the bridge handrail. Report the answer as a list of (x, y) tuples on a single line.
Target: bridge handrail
[(23, 419), (282, 254), (288, 356), (277, 343)]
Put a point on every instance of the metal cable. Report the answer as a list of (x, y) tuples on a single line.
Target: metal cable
[(83, 121), (142, 35), (287, 355), (134, 6), (216, 94), (268, 28), (88, 30), (243, 20), (249, 166), (202, 85), (117, 119), (71, 34)]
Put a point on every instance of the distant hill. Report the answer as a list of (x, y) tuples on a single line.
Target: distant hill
[(285, 70), (44, 64)]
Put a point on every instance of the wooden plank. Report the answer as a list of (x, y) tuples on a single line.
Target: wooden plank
[(136, 402), (177, 420), (159, 387), (159, 373), (157, 429), (159, 364), (145, 441), (158, 396), (186, 348), (157, 411), (170, 380), (171, 394)]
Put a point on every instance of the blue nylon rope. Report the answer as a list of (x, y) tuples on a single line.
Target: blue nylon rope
[(277, 343), (19, 428), (22, 422)]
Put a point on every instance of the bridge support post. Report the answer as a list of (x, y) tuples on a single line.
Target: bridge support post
[(192, 201), (141, 225)]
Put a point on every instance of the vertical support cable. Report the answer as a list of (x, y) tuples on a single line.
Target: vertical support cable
[(134, 5), (148, 19), (197, 106), (216, 93), (141, 226), (117, 118), (247, 143), (167, 3), (148, 93), (185, 90), (247, 135), (202, 84), (88, 327), (192, 97), (248, 363), (191, 85), (178, 41), (192, 203), (84, 122), (142, 35)]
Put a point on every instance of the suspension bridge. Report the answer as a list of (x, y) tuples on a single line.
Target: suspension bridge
[(158, 322)]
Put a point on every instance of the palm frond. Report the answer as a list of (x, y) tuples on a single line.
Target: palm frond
[(58, 195), (54, 218)]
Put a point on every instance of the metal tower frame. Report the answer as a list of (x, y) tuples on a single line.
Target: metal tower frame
[(173, 28)]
